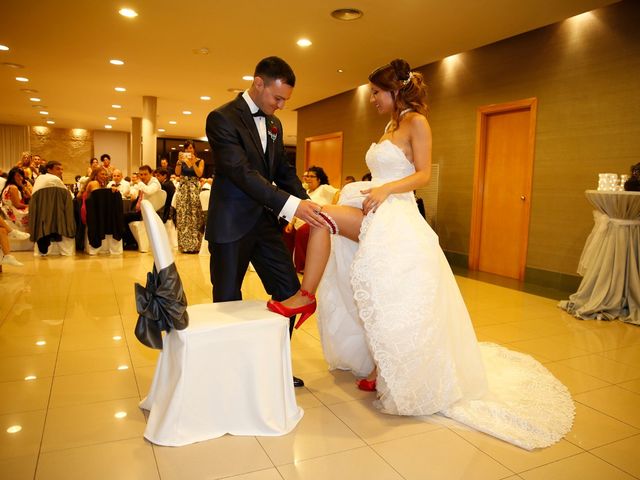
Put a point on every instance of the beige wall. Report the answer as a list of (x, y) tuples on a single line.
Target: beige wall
[(73, 147), (583, 71)]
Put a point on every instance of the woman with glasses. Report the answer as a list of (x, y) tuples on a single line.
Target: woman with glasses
[(296, 233)]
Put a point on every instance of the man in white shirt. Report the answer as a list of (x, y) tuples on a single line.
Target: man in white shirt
[(119, 183), (53, 177), (149, 188)]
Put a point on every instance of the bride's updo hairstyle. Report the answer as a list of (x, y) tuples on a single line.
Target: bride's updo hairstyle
[(407, 88)]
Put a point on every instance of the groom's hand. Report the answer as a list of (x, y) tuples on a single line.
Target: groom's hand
[(308, 211)]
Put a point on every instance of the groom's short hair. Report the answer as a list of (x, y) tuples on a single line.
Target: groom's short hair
[(275, 68)]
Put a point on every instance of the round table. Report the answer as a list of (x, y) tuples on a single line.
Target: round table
[(610, 261)]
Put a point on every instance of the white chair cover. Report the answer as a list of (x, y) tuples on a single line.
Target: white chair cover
[(229, 371), (162, 254)]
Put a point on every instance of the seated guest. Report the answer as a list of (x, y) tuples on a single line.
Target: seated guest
[(6, 232), (52, 177), (133, 186), (148, 187), (98, 179), (51, 215), (13, 206), (296, 234), (120, 184), (167, 185)]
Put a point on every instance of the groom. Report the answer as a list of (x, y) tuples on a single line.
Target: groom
[(254, 185)]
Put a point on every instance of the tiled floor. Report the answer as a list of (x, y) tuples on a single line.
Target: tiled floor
[(72, 374)]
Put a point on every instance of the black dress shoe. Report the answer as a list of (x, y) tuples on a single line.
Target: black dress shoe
[(297, 382)]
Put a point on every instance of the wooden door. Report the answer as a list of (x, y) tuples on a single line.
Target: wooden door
[(502, 188), (325, 151)]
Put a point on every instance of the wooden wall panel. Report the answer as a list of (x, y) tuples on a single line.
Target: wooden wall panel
[(584, 72)]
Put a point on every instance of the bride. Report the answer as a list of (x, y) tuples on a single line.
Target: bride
[(403, 323)]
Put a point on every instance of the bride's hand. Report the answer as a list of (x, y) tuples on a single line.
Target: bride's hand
[(375, 197)]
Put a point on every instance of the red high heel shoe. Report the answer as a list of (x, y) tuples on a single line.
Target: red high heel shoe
[(367, 385), (306, 310)]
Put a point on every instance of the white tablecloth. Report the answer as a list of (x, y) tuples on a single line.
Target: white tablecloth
[(610, 261), (228, 372)]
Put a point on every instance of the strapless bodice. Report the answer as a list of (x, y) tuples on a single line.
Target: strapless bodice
[(387, 162)]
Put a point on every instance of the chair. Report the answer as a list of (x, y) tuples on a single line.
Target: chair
[(137, 228), (229, 371), (51, 212), (204, 202), (105, 223)]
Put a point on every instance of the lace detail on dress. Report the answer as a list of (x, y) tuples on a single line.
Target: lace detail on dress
[(526, 405), (420, 335)]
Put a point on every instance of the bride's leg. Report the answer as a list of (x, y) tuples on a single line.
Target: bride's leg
[(348, 220)]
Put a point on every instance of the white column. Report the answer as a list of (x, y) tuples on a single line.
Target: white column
[(135, 159), (149, 136)]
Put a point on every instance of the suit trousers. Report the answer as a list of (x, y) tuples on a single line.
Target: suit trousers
[(264, 248)]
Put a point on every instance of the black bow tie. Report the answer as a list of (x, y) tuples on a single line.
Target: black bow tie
[(259, 113)]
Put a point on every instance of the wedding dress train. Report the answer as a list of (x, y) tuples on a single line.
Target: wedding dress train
[(391, 300)]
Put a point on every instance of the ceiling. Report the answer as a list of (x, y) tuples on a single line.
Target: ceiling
[(65, 46)]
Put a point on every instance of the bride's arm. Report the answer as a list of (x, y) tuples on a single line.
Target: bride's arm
[(420, 140)]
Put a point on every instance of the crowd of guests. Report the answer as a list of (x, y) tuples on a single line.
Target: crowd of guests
[(182, 184)]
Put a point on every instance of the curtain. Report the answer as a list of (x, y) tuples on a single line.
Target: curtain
[(14, 139)]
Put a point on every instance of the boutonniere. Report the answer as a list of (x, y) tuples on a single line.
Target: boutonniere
[(272, 131)]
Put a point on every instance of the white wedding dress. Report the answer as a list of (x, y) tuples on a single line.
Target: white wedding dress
[(391, 300)]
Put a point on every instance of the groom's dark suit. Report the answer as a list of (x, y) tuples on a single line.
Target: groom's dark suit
[(242, 224)]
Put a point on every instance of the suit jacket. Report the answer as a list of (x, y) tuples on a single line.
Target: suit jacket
[(247, 181), (104, 216), (51, 211)]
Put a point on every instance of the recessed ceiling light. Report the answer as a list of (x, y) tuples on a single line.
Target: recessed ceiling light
[(51, 122), (120, 89), (116, 62), (248, 77), (41, 343), (4, 47), (22, 79), (205, 97), (116, 106), (29, 378), (108, 127), (128, 12), (206, 149), (30, 91), (117, 338), (172, 122), (43, 112), (12, 65), (235, 90), (120, 414), (201, 51), (123, 367), (112, 118), (14, 429), (347, 14), (340, 70), (186, 112), (161, 130), (34, 99), (304, 42), (173, 148)]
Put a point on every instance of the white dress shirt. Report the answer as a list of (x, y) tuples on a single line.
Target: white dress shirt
[(47, 180), (123, 187)]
